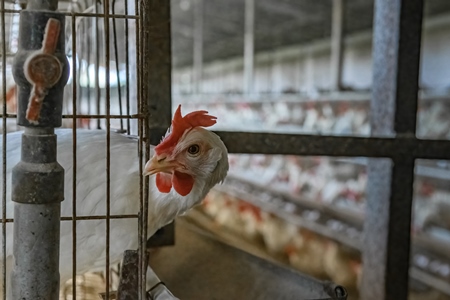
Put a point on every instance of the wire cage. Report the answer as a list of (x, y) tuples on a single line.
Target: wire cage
[(112, 48), (119, 54), (98, 95)]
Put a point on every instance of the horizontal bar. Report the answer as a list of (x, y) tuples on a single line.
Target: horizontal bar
[(100, 15), (75, 14), (322, 145), (99, 217), (353, 97), (345, 146), (88, 218), (135, 116)]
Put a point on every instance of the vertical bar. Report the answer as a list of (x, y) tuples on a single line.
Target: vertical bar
[(4, 131), (143, 183), (198, 46), (74, 149), (396, 56), (156, 66), (108, 144), (157, 63), (88, 75), (137, 66), (337, 31), (77, 81), (97, 66), (116, 55), (127, 68), (249, 46), (309, 71)]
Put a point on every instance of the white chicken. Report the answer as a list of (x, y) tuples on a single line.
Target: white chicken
[(11, 102), (188, 162), (343, 266), (276, 233), (306, 252)]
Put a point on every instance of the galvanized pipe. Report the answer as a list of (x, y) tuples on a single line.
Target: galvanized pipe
[(396, 56), (249, 46), (38, 179), (198, 45), (337, 43), (42, 5)]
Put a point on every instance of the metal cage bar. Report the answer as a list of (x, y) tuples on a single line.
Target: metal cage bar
[(4, 145), (396, 51)]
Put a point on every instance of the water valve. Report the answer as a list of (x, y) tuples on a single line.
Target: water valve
[(43, 70)]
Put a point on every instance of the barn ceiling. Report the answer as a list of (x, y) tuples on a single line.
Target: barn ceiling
[(277, 23)]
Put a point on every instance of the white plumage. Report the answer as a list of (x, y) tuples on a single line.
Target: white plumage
[(212, 166)]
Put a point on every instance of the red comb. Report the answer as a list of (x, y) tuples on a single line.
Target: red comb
[(181, 124)]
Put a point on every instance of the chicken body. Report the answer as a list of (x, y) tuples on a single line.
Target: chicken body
[(124, 187)]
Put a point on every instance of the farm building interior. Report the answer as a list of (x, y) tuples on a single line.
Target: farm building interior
[(335, 114)]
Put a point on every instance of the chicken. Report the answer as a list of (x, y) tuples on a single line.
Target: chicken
[(343, 266), (306, 252), (213, 204), (188, 162), (227, 216), (276, 233), (11, 102), (250, 216)]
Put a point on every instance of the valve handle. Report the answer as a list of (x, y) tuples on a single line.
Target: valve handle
[(43, 70)]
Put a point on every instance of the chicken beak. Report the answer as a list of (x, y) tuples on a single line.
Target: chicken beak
[(158, 164)]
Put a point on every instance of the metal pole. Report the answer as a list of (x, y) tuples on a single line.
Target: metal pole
[(157, 104), (41, 72), (198, 46), (42, 5), (249, 46), (337, 31), (396, 56)]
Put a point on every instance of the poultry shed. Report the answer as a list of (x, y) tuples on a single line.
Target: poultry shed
[(327, 78), (334, 114)]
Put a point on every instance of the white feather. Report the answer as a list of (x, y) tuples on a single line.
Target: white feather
[(91, 195)]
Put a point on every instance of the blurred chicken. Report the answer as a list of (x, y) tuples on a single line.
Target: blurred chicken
[(213, 203), (228, 217), (344, 120), (252, 221), (311, 116), (11, 104), (276, 232), (431, 207), (433, 121), (343, 267), (306, 252)]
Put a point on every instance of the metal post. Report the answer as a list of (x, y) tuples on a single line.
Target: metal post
[(198, 46), (337, 31), (157, 102), (41, 72), (396, 56), (249, 46)]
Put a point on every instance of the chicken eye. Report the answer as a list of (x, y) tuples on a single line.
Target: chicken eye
[(194, 149)]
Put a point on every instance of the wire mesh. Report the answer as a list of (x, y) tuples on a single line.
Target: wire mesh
[(108, 105), (99, 95)]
